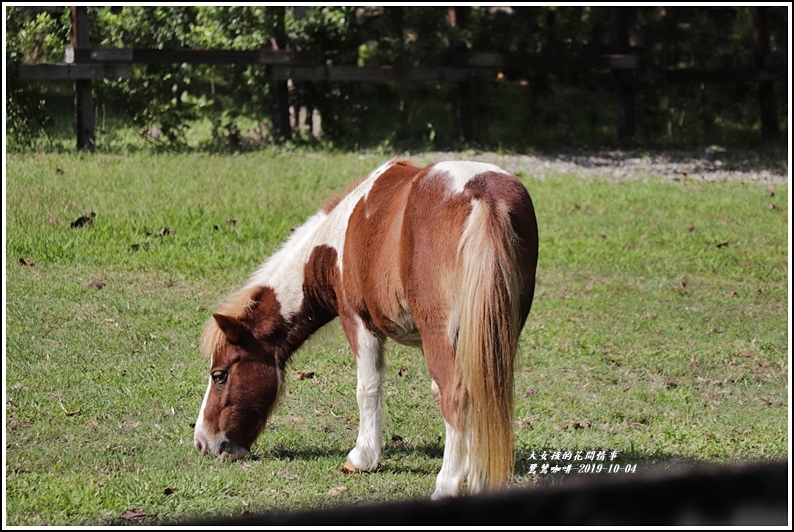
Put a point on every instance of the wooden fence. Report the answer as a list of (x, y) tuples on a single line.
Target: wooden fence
[(84, 63)]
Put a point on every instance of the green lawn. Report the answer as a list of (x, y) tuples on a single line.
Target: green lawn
[(659, 331)]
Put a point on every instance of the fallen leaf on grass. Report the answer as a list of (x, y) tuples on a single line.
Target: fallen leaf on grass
[(304, 374), (134, 515), (169, 491), (335, 492), (531, 391), (95, 284), (84, 220), (723, 244), (26, 262), (297, 420), (401, 372), (69, 413), (164, 231), (585, 423)]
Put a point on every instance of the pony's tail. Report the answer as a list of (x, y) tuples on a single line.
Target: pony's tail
[(485, 356)]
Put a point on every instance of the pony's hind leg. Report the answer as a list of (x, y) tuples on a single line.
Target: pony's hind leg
[(368, 348), (454, 467)]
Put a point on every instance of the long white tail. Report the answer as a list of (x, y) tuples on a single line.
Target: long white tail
[(487, 345)]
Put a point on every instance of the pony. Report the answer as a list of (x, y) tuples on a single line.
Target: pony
[(442, 258)]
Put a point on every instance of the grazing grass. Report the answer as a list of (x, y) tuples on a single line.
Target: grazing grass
[(659, 331)]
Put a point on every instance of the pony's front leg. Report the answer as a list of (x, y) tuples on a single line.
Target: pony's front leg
[(368, 348)]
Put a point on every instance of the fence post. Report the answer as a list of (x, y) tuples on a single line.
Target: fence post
[(280, 89), (83, 100), (766, 89), (625, 91), (463, 129)]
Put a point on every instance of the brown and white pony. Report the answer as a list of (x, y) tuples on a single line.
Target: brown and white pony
[(442, 258)]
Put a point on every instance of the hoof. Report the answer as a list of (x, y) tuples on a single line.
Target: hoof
[(349, 467)]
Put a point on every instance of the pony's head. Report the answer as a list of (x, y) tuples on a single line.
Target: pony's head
[(245, 374)]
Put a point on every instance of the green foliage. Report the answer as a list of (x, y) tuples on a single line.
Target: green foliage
[(29, 39), (527, 108)]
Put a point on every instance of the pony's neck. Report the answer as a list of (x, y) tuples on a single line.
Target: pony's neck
[(298, 275)]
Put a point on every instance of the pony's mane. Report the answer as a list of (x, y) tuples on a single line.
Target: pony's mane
[(235, 306)]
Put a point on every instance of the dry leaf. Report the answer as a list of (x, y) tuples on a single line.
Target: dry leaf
[(95, 284), (84, 220), (69, 413), (401, 372), (26, 262), (297, 420), (231, 221), (531, 391), (164, 231), (723, 244), (395, 438), (524, 423), (732, 293), (169, 491), (305, 374), (585, 423), (335, 492), (134, 515)]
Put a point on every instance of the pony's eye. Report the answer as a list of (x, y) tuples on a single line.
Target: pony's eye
[(219, 377)]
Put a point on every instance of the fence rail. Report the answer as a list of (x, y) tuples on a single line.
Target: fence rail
[(84, 63)]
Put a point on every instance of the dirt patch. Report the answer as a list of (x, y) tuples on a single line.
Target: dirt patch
[(711, 164)]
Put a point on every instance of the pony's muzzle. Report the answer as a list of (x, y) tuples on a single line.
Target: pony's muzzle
[(222, 447), (200, 443)]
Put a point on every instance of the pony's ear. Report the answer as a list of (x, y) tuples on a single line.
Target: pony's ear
[(233, 328)]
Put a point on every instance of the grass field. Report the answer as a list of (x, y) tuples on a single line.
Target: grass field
[(660, 331)]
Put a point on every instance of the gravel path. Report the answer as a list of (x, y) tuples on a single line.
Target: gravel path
[(707, 165)]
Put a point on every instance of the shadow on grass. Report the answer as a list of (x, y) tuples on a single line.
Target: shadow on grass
[(533, 467)]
